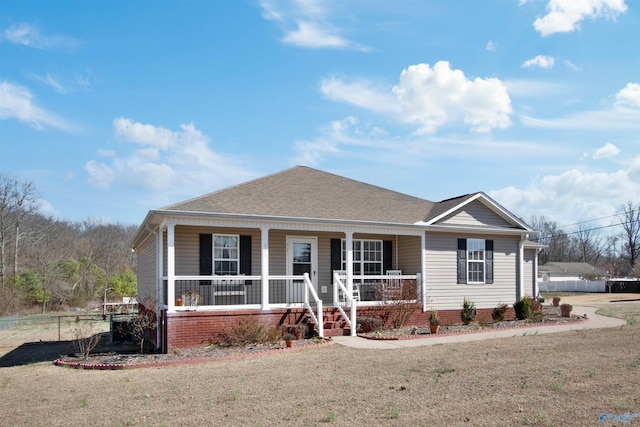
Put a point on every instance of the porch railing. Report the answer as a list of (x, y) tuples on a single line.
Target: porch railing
[(242, 292), (372, 290)]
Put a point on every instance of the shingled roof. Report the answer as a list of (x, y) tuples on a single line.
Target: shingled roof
[(304, 192)]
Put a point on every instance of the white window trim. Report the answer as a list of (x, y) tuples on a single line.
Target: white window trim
[(473, 261), (214, 259), (361, 260)]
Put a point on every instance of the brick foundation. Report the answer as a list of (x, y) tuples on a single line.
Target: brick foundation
[(198, 328)]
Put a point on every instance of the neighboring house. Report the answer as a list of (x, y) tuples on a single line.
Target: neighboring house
[(562, 271), (303, 244)]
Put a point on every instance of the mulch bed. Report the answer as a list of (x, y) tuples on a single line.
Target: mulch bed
[(551, 316), (117, 361)]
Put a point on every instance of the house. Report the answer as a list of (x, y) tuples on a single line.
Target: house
[(561, 271), (307, 245)]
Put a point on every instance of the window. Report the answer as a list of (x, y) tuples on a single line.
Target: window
[(367, 257), (475, 261), (225, 255)]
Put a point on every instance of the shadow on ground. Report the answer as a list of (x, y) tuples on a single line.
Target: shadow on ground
[(48, 351)]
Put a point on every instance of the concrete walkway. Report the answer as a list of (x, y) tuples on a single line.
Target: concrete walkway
[(593, 321)]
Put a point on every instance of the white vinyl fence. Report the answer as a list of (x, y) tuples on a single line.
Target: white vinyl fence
[(573, 286)]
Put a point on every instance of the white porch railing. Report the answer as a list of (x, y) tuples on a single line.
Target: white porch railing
[(342, 296), (309, 289), (371, 290), (239, 292)]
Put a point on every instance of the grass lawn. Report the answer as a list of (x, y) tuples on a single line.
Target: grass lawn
[(544, 380)]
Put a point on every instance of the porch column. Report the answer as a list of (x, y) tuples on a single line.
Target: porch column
[(423, 271), (535, 273), (171, 268), (160, 268), (349, 247), (520, 268), (264, 267)]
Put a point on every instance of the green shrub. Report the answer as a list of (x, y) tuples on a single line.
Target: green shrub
[(468, 313), (522, 308), (499, 312)]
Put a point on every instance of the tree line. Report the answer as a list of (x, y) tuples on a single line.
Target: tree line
[(614, 248), (50, 264)]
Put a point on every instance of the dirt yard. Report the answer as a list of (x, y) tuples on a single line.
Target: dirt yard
[(545, 380)]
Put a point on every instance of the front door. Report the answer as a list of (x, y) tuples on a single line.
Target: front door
[(301, 258)]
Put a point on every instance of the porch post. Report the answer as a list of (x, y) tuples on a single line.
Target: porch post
[(536, 291), (160, 267), (520, 268), (171, 267), (423, 270), (349, 247), (264, 267)]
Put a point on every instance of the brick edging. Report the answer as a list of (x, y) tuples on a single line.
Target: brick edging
[(120, 366), (475, 331)]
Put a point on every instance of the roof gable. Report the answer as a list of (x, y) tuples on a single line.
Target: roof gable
[(303, 192), (473, 210)]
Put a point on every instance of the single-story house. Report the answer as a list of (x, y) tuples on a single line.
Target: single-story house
[(307, 245), (561, 271)]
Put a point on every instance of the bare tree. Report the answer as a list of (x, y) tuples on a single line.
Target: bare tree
[(588, 245), (630, 220), (16, 202)]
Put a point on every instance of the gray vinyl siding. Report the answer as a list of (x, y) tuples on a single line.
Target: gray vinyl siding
[(475, 213), (187, 248), (443, 291), (146, 270), (409, 252)]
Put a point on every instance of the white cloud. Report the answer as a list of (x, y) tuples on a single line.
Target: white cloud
[(617, 117), (361, 93), (176, 163), (51, 81), (629, 95), (533, 88), (491, 46), (306, 24), (27, 35), (142, 134), (606, 151), (573, 194), (539, 61), (16, 102), (571, 65), (433, 97), (565, 15)]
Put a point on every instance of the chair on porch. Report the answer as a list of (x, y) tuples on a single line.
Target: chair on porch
[(393, 285), (342, 274)]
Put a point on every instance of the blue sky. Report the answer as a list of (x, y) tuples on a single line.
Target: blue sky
[(115, 108)]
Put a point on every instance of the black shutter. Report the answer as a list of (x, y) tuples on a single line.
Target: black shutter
[(387, 256), (462, 260), (206, 254), (488, 261), (245, 255), (336, 256)]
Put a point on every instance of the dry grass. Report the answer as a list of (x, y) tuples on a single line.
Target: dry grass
[(544, 380)]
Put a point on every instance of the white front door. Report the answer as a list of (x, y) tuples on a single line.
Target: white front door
[(302, 258)]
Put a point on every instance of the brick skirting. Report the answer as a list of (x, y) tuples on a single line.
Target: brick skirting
[(197, 328)]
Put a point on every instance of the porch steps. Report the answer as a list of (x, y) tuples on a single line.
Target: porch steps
[(334, 324)]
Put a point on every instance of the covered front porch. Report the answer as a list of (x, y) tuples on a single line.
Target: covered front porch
[(307, 268)]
